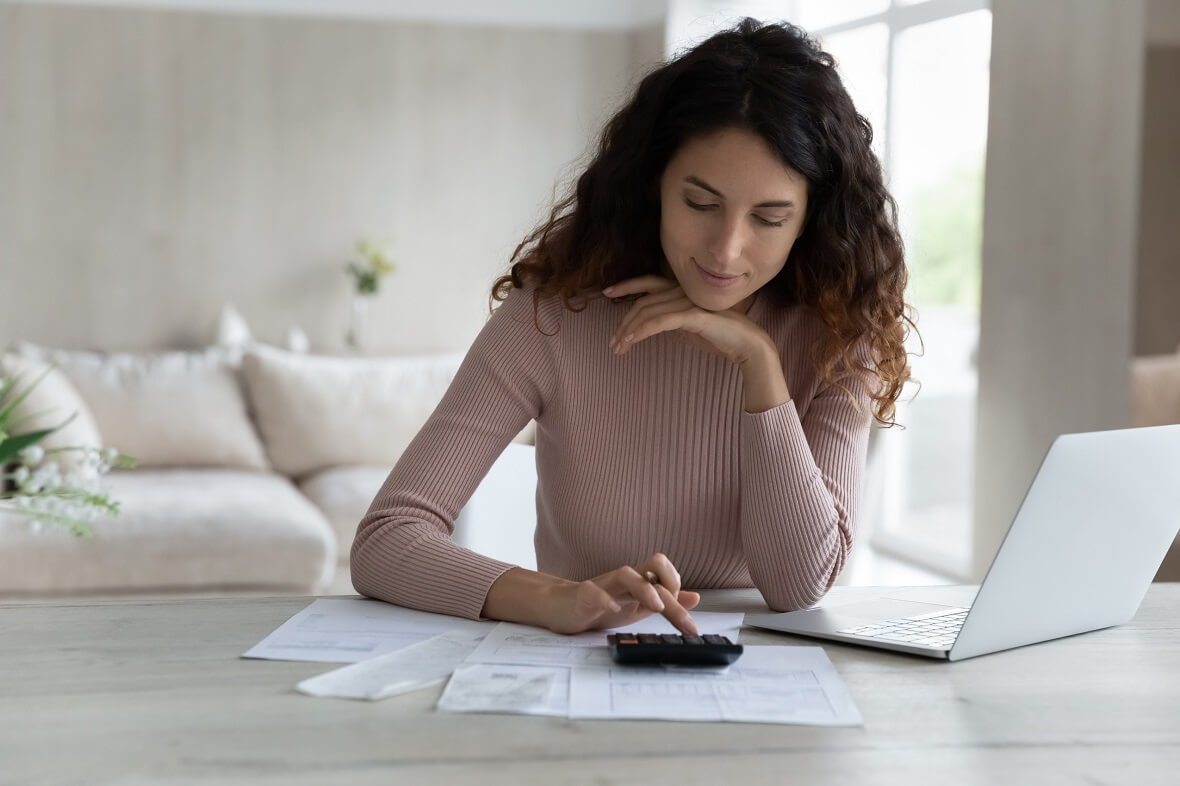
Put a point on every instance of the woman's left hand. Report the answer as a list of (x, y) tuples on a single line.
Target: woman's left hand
[(665, 307)]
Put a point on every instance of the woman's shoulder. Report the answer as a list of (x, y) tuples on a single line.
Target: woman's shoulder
[(523, 305), (548, 311)]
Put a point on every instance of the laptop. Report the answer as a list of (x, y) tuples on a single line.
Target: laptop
[(1080, 555)]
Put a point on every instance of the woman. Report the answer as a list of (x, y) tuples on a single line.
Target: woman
[(702, 332)]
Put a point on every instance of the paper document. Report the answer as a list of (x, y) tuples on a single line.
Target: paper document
[(526, 690), (408, 669), (344, 630), (523, 644), (766, 685)]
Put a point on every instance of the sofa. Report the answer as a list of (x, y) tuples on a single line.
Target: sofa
[(255, 465)]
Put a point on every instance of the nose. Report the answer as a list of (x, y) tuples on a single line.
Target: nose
[(726, 243)]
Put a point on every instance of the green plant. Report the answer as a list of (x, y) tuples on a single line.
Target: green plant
[(373, 266), (32, 483)]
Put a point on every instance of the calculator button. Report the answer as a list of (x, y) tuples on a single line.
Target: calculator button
[(667, 648)]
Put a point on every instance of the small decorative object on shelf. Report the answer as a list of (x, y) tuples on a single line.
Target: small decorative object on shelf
[(33, 483), (297, 340), (367, 273)]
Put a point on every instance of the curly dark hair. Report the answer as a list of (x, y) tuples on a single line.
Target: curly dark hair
[(775, 81)]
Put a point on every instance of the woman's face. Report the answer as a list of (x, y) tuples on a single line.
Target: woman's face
[(730, 211)]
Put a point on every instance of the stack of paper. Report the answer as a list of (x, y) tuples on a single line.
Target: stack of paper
[(503, 667)]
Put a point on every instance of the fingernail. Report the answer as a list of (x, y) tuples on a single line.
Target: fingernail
[(629, 336), (615, 607), (608, 290)]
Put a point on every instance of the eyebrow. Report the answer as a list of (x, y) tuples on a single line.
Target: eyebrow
[(696, 181)]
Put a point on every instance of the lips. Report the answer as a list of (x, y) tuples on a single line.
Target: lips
[(714, 279)]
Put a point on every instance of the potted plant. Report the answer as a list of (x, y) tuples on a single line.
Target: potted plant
[(33, 482), (366, 274)]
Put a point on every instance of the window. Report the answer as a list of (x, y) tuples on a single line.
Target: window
[(918, 70)]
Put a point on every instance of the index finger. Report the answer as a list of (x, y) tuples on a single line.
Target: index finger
[(639, 284), (675, 613)]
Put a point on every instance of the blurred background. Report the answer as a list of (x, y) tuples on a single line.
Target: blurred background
[(160, 160)]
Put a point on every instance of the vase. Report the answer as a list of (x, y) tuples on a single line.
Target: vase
[(355, 337)]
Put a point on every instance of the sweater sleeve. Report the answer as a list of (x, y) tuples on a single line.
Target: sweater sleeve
[(403, 552), (800, 486)]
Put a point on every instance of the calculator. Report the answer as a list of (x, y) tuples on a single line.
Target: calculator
[(672, 649)]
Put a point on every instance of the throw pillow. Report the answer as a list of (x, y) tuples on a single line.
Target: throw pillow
[(316, 412), (167, 409), (53, 401)]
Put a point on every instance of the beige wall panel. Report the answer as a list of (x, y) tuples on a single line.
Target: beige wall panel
[(1059, 243), (1158, 289), (154, 165)]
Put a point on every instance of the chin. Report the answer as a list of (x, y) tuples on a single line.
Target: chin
[(716, 301)]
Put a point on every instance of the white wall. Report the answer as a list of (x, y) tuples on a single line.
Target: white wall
[(155, 164)]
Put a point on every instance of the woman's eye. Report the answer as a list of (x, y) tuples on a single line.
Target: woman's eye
[(768, 223), (698, 205)]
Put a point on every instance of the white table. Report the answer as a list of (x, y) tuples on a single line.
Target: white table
[(153, 691)]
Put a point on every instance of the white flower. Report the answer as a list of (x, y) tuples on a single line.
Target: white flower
[(77, 480), (109, 455), (21, 475), (33, 454), (52, 477)]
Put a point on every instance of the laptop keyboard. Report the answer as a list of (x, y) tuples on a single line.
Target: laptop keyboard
[(930, 630)]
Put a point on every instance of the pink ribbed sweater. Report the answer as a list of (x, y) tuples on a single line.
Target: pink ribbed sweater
[(645, 452)]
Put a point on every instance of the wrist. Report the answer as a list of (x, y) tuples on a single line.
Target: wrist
[(764, 386), (760, 356), (525, 596)]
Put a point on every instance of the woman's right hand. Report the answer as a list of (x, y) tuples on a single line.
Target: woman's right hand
[(620, 598)]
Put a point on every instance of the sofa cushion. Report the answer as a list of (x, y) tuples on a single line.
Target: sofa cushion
[(1155, 390), (498, 521), (316, 412), (53, 401), (167, 409), (343, 495), (178, 529)]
